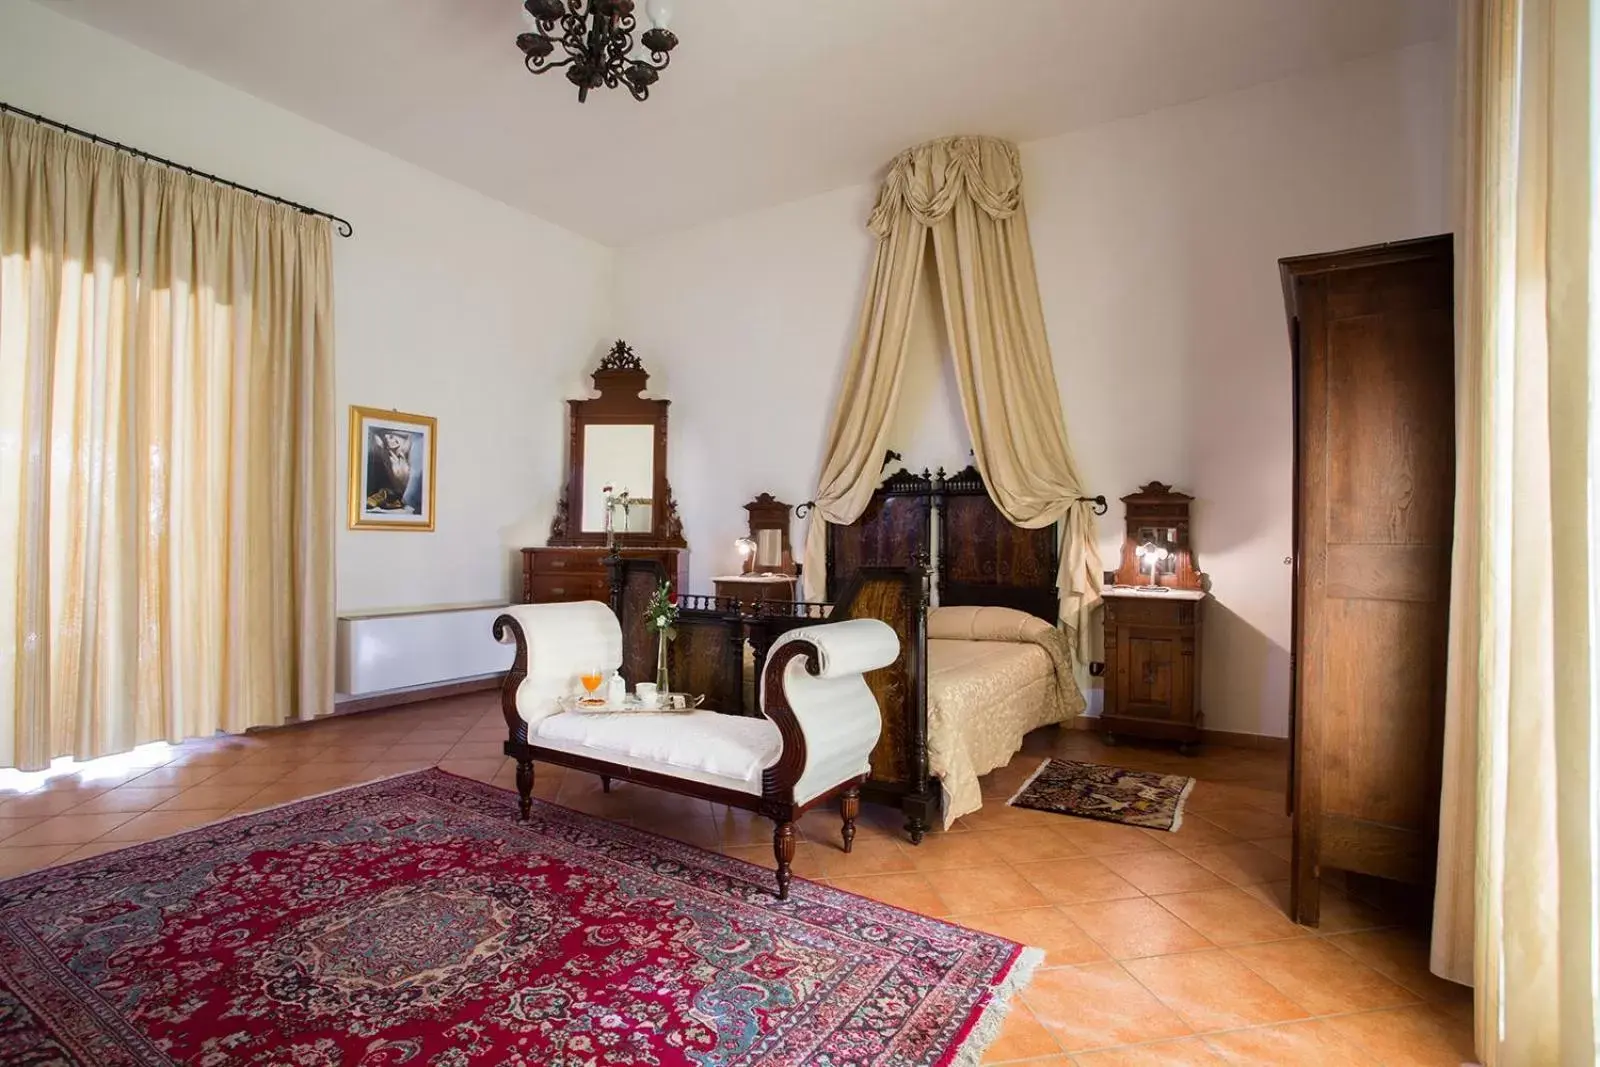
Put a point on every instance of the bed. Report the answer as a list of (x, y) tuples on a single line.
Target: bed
[(997, 666), (994, 674)]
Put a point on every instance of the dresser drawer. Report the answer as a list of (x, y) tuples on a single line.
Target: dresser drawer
[(562, 562), (1122, 611), (559, 588)]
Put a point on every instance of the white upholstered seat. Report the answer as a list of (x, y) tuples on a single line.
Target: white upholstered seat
[(700, 746)]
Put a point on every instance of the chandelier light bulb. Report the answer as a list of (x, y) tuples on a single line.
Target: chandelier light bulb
[(660, 12)]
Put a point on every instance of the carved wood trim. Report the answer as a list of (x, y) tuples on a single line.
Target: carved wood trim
[(504, 624), (781, 776), (986, 560)]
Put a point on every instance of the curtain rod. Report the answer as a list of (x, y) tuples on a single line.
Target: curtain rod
[(341, 226)]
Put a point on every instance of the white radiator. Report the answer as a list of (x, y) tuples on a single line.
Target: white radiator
[(382, 651)]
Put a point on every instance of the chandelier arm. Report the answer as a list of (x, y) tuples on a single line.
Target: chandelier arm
[(621, 41), (573, 33), (544, 66)]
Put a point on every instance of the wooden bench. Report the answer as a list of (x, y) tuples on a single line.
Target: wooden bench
[(811, 744)]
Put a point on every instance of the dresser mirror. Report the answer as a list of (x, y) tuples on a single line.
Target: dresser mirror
[(619, 463), (616, 485)]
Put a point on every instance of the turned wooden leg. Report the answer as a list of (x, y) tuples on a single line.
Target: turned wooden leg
[(916, 827), (849, 808), (783, 852), (605, 784), (525, 787)]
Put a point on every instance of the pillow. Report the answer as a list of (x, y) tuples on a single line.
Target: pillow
[(984, 624)]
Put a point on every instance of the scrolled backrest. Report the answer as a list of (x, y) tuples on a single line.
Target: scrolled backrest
[(559, 642), (814, 690)]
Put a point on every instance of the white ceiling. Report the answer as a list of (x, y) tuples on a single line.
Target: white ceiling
[(764, 102)]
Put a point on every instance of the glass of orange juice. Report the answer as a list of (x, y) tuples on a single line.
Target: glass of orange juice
[(591, 679)]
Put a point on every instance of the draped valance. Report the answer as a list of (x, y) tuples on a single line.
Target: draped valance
[(927, 181)]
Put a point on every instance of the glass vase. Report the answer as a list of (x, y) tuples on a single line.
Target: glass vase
[(662, 685)]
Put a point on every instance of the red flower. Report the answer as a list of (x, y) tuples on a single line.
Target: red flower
[(672, 598)]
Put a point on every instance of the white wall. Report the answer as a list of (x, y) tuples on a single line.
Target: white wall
[(448, 303), (1157, 240)]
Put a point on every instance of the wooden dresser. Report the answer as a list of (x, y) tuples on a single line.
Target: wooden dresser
[(578, 572), (1153, 664)]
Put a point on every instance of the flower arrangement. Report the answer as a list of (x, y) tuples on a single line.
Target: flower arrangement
[(662, 611), (661, 615)]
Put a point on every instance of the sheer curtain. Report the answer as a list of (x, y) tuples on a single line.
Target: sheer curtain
[(962, 196), (1518, 895), (166, 464)]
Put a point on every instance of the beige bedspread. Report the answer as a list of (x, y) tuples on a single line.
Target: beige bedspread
[(993, 675)]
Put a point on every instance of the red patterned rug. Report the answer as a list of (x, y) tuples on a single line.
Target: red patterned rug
[(413, 921)]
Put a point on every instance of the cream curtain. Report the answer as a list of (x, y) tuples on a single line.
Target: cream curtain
[(1518, 894), (166, 465), (963, 196)]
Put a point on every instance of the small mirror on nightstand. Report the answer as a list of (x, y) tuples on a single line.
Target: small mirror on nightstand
[(767, 567)]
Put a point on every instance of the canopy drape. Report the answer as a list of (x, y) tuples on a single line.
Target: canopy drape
[(1517, 902), (166, 453), (961, 197)]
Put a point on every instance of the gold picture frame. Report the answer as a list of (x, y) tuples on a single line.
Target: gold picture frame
[(393, 456)]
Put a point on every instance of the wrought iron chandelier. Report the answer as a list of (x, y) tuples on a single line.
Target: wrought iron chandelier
[(597, 38)]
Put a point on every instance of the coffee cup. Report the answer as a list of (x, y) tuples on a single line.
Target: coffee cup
[(648, 694)]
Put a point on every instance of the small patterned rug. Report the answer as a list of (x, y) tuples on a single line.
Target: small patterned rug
[(1112, 794), (415, 921)]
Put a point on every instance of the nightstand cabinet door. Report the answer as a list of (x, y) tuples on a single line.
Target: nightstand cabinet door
[(1152, 681)]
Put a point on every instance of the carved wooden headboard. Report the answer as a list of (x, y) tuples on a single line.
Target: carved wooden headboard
[(982, 558), (986, 560), (894, 531)]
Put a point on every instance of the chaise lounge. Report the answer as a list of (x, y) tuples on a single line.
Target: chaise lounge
[(811, 743)]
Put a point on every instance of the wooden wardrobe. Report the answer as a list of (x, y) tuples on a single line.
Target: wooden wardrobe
[(1372, 341)]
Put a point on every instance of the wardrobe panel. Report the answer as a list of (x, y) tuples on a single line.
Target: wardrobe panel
[(1371, 337)]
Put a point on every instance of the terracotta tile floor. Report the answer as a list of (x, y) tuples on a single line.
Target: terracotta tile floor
[(1163, 949)]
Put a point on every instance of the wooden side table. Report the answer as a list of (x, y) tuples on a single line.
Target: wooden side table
[(750, 589), (1153, 665)]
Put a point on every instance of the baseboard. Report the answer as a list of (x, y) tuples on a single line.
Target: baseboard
[(394, 698), (1261, 742)]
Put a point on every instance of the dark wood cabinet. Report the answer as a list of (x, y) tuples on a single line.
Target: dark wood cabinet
[(1372, 339), (1152, 686), (559, 574)]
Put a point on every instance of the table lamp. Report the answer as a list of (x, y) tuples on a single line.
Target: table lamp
[(1154, 555), (747, 552)]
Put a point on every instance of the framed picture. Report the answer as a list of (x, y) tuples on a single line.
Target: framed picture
[(391, 470)]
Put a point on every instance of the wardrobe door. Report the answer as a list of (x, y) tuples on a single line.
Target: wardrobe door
[(1376, 470)]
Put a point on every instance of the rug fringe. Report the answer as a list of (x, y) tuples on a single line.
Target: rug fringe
[(1036, 773), (987, 1029), (1177, 811)]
